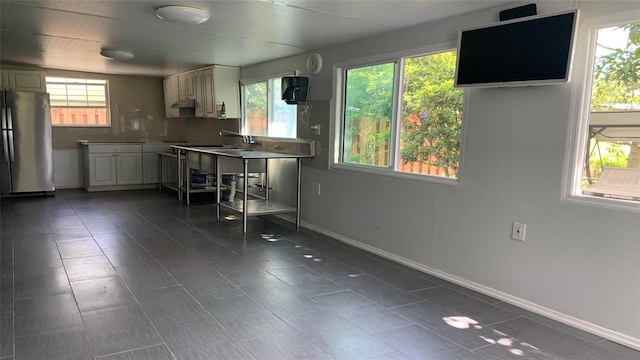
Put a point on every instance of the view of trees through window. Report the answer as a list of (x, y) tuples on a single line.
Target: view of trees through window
[(427, 136), (265, 113), (614, 138), (368, 113), (431, 115)]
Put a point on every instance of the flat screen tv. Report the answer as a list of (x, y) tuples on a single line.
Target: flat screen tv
[(535, 50)]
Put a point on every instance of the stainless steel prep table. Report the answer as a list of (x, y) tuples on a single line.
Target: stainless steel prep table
[(251, 207), (185, 156)]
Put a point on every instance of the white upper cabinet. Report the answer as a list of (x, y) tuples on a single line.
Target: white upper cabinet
[(209, 87), (226, 89), (170, 85), (23, 80), (186, 86)]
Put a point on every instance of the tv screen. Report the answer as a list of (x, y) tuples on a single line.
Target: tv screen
[(535, 50)]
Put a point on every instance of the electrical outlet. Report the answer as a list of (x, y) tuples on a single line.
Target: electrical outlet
[(518, 231), (316, 189)]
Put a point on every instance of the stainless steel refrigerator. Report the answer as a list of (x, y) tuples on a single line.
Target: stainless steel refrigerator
[(27, 151)]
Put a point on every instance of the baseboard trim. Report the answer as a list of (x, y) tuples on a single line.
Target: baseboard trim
[(525, 304), (120, 187), (66, 187)]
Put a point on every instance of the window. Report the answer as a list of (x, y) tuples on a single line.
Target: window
[(403, 115), (264, 111), (78, 102), (610, 165)]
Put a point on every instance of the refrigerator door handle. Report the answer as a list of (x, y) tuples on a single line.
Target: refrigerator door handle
[(5, 139), (9, 119), (5, 135), (10, 135)]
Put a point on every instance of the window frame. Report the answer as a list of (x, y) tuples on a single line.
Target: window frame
[(270, 104), (107, 102), (336, 151), (578, 129)]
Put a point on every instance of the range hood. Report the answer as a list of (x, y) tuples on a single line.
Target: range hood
[(184, 104)]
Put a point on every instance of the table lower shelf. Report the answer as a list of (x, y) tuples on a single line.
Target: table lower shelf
[(193, 190), (258, 207)]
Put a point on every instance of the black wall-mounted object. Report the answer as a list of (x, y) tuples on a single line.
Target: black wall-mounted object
[(535, 50), (295, 89), (518, 12)]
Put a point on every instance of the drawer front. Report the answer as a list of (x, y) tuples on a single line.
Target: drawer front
[(193, 160), (229, 165), (114, 148), (155, 148), (208, 163), (201, 162)]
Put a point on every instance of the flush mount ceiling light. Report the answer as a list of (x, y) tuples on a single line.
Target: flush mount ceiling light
[(182, 14), (116, 54)]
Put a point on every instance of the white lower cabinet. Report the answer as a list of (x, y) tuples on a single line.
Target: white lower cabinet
[(102, 169), (111, 166), (128, 168)]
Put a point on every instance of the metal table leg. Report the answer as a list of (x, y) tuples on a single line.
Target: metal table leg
[(187, 185), (180, 174), (160, 161), (218, 185), (298, 195), (245, 195)]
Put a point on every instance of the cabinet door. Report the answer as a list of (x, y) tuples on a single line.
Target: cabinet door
[(102, 169), (150, 168), (170, 86), (209, 102), (129, 168), (27, 80), (200, 96), (186, 86), (227, 89)]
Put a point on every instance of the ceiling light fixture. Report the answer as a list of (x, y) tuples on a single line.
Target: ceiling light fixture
[(182, 14), (116, 54)]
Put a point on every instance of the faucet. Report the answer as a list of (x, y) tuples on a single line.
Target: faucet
[(247, 139), (229, 133)]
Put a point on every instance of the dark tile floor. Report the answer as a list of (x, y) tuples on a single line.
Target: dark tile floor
[(135, 275)]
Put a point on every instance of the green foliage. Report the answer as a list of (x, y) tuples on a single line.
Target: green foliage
[(616, 86), (368, 111), (617, 75), (431, 112), (256, 96), (609, 154), (612, 155)]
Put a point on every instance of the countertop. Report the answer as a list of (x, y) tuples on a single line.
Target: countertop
[(87, 142), (239, 153)]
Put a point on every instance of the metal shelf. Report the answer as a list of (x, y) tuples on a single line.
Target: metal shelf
[(194, 189), (258, 207)]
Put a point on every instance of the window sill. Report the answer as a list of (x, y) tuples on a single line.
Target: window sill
[(605, 203), (396, 174), (81, 126)]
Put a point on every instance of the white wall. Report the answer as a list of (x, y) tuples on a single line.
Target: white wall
[(580, 263)]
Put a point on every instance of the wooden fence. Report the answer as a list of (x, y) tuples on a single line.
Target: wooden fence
[(79, 116)]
